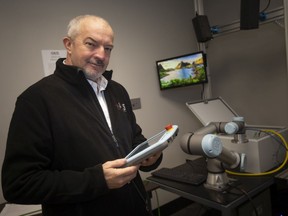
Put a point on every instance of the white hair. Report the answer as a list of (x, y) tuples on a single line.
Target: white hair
[(74, 25)]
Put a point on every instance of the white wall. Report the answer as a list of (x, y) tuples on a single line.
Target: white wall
[(146, 31), (252, 76), (248, 67)]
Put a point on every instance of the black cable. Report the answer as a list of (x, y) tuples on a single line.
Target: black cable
[(270, 134), (267, 6), (277, 139), (202, 91), (199, 213), (249, 198), (144, 199)]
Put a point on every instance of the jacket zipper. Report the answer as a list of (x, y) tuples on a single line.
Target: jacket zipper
[(115, 140), (100, 112)]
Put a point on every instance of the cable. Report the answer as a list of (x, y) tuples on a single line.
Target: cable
[(158, 204), (249, 198), (268, 172), (157, 199), (267, 6), (144, 199), (202, 91), (199, 213), (269, 133)]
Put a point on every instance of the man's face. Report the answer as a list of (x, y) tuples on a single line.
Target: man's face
[(90, 50)]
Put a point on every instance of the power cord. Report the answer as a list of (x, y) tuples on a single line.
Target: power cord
[(202, 91), (267, 6), (247, 195), (144, 199), (158, 203)]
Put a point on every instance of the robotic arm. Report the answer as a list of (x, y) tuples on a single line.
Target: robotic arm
[(204, 142)]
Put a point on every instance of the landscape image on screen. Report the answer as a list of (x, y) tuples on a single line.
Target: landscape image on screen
[(182, 71)]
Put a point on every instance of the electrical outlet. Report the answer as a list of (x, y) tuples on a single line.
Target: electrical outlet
[(136, 103)]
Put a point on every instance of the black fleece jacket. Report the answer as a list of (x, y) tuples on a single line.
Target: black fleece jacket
[(59, 139)]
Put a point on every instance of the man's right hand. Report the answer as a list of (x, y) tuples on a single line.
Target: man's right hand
[(116, 176)]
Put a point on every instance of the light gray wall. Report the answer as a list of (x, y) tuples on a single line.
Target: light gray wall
[(250, 73), (147, 31), (248, 67)]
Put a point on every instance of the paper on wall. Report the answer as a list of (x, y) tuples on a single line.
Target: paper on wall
[(49, 58)]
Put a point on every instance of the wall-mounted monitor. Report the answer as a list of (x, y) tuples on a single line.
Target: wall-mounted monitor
[(184, 70)]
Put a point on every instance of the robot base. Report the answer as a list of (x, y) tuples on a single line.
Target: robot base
[(217, 181)]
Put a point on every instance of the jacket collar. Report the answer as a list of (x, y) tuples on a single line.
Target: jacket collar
[(74, 74)]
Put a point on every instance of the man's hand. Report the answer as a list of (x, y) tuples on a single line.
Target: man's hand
[(151, 160), (116, 176)]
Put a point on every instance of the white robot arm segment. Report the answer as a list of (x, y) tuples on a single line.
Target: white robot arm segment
[(204, 142), (209, 145)]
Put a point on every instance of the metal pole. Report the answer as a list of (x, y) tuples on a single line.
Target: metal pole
[(286, 31), (199, 9)]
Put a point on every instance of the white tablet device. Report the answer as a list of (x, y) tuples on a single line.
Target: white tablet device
[(148, 148)]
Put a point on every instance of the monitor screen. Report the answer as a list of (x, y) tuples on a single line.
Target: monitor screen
[(179, 71)]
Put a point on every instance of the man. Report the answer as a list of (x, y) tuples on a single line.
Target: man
[(70, 132)]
